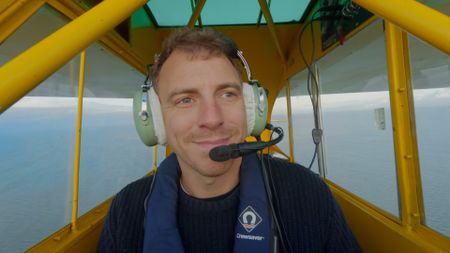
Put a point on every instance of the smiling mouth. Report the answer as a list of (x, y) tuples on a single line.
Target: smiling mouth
[(209, 144)]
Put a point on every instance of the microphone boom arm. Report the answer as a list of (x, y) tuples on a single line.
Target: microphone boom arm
[(226, 152)]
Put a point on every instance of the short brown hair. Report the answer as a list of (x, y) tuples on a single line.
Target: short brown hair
[(193, 41)]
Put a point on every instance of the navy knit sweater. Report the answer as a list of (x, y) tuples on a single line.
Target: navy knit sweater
[(310, 216)]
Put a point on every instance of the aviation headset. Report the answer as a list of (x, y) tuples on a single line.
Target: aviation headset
[(148, 116)]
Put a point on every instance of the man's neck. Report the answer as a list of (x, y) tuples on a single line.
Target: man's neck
[(201, 186)]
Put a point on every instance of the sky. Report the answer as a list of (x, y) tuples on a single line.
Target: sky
[(364, 100)]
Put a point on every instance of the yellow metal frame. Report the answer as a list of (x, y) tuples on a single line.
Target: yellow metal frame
[(57, 49), (424, 22), (77, 236), (16, 14), (196, 13), (155, 157), (83, 239), (407, 234), (76, 160), (405, 142), (414, 17), (378, 231), (112, 40), (290, 129), (5, 4), (273, 31)]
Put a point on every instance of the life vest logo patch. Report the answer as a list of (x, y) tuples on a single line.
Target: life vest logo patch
[(249, 219)]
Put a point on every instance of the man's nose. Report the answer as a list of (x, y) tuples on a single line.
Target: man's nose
[(210, 115)]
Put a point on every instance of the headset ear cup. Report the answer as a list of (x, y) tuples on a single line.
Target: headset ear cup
[(260, 110), (249, 100), (143, 118), (256, 107)]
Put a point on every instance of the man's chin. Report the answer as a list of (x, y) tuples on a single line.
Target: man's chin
[(214, 169)]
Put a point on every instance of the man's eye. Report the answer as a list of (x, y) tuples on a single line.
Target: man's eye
[(229, 94), (185, 100)]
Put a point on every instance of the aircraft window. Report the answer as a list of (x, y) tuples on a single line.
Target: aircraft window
[(42, 23), (225, 12), (140, 18), (357, 129), (302, 121), (279, 119), (111, 153), (431, 81), (36, 147), (356, 117), (287, 10), (230, 12), (164, 13)]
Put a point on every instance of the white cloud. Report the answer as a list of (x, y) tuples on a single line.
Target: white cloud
[(46, 102), (362, 100), (113, 104), (430, 97)]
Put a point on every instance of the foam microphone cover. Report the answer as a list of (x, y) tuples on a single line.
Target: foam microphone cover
[(221, 153)]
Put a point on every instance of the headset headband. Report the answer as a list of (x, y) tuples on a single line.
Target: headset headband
[(246, 66)]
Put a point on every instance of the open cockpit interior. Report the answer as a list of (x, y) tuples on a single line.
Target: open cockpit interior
[(361, 89)]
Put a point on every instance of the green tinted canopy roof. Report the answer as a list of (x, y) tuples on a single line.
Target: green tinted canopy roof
[(170, 13)]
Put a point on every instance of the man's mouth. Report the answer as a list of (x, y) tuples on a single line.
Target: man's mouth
[(212, 143)]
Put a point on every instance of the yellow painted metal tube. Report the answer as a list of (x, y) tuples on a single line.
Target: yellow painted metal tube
[(272, 29), (76, 159), (196, 14), (424, 22), (378, 231), (155, 157), (115, 42), (290, 129), (405, 141), (58, 48), (11, 10), (15, 15)]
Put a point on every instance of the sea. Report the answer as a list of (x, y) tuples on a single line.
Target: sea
[(37, 143)]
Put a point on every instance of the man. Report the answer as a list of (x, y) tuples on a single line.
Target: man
[(195, 204)]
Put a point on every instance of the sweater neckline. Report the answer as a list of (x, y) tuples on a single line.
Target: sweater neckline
[(215, 204)]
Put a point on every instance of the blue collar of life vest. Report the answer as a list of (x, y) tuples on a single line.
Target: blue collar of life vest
[(253, 225)]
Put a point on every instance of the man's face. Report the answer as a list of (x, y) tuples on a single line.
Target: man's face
[(203, 107)]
